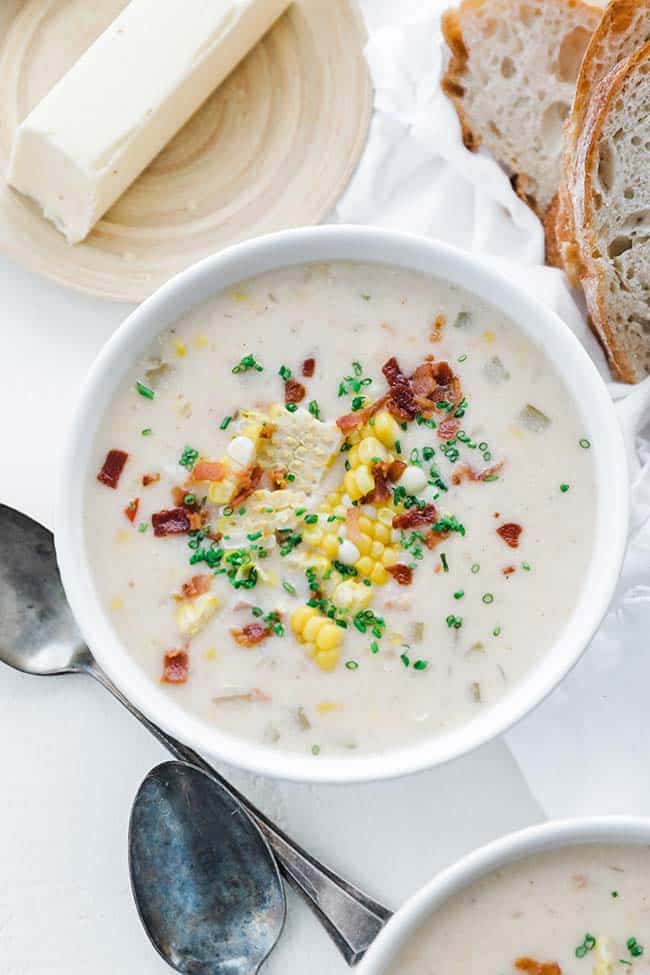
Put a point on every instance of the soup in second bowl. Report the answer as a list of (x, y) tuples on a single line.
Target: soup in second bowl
[(580, 910), (340, 508)]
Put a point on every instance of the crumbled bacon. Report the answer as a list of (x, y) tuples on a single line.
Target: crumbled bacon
[(308, 368), (251, 634), (415, 516), (247, 483), (131, 509), (510, 533), (175, 667), (172, 521), (448, 429), (395, 470), (277, 477), (432, 382), (381, 491), (294, 392), (352, 421), (508, 570), (534, 967), (401, 573), (432, 539), (112, 468), (402, 401), (180, 495), (195, 587), (209, 470), (467, 473), (148, 479)]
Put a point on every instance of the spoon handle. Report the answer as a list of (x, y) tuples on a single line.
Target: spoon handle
[(352, 919)]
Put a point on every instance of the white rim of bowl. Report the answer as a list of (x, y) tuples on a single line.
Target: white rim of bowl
[(363, 244), (553, 835)]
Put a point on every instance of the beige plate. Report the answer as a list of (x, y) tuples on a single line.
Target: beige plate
[(274, 147)]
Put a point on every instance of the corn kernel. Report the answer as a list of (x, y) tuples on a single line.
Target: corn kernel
[(201, 341), (330, 545), (365, 565), (385, 516), (389, 557), (381, 533), (311, 628), (365, 525), (180, 348), (353, 456), (325, 707), (220, 492), (300, 616), (370, 448), (365, 480), (377, 550), (489, 336), (312, 536), (379, 575), (352, 595), (386, 428), (364, 544), (329, 636), (327, 659)]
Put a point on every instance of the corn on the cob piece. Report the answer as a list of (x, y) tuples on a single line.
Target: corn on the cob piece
[(192, 614), (322, 636)]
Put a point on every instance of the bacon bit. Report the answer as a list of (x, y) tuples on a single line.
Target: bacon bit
[(308, 367), (381, 492), (510, 534), (209, 470), (433, 382), (352, 421), (395, 470), (467, 473), (173, 521), (402, 400), (509, 569), (112, 468), (294, 392), (195, 587), (415, 516), (352, 524), (247, 483), (148, 479), (448, 429), (197, 520), (131, 509), (433, 539), (534, 967), (267, 431), (435, 332), (401, 573), (251, 634), (175, 667)]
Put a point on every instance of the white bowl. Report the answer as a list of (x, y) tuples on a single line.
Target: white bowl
[(527, 842), (323, 244)]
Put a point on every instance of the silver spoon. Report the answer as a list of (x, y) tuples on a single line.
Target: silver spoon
[(38, 635), (205, 883)]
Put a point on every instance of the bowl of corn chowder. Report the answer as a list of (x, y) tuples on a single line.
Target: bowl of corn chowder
[(565, 898), (346, 504)]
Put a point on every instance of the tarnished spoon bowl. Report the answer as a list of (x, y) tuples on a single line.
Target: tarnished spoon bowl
[(207, 889)]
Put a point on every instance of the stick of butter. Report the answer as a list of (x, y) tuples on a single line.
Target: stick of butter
[(126, 97)]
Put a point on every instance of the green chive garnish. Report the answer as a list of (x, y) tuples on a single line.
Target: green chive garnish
[(488, 597), (144, 390), (224, 423)]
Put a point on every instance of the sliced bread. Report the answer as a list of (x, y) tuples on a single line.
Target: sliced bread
[(624, 27), (512, 77), (610, 198)]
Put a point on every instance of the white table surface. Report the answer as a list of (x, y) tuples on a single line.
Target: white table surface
[(72, 759)]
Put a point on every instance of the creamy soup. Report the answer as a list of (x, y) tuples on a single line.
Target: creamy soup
[(582, 910), (340, 508)]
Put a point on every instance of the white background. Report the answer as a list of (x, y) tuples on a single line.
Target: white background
[(72, 760)]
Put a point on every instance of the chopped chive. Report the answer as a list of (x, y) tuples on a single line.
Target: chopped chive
[(291, 477), (476, 568), (488, 597), (315, 749), (564, 488), (496, 631), (246, 363), (189, 499), (584, 443), (443, 559), (525, 566), (463, 357), (351, 665), (189, 458), (253, 536), (634, 948), (147, 432), (144, 390), (288, 587), (357, 403), (454, 622), (405, 659), (224, 423), (459, 594), (311, 519), (142, 527), (290, 407), (420, 665), (285, 372), (314, 409), (374, 647)]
